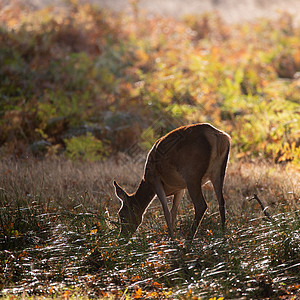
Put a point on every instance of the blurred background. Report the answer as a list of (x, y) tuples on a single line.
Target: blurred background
[(231, 10), (90, 79)]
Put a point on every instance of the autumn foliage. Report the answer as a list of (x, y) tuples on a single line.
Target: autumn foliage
[(109, 79)]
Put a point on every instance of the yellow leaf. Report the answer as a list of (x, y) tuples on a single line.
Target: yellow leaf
[(93, 231), (240, 155), (141, 55)]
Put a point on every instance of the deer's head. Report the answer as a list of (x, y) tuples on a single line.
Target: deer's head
[(129, 215)]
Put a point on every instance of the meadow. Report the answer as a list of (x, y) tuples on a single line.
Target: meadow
[(84, 93), (60, 238)]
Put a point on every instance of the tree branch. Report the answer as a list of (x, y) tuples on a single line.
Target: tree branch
[(263, 208)]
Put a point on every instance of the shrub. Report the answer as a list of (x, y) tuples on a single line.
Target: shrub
[(86, 148)]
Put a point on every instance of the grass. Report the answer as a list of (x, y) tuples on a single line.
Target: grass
[(58, 237)]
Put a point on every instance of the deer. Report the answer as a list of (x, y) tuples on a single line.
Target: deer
[(185, 158)]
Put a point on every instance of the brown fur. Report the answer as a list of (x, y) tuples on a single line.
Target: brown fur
[(184, 158)]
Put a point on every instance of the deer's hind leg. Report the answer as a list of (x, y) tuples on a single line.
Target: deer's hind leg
[(176, 201), (217, 182), (200, 206), (217, 179)]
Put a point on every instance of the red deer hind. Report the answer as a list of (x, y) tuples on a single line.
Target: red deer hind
[(187, 157)]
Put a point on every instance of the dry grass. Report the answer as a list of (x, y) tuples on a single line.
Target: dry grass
[(60, 183), (55, 234), (276, 185), (57, 181)]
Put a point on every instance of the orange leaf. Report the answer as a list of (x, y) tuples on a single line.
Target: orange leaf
[(66, 295), (155, 284), (138, 293), (93, 231)]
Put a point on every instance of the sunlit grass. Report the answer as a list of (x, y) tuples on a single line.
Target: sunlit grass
[(58, 237)]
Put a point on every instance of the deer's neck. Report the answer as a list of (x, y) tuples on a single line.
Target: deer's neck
[(144, 194)]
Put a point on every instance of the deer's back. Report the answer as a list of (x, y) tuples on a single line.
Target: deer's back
[(185, 152)]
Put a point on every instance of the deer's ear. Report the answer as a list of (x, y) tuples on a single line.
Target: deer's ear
[(120, 192)]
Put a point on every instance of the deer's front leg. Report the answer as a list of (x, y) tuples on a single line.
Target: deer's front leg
[(163, 199)]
